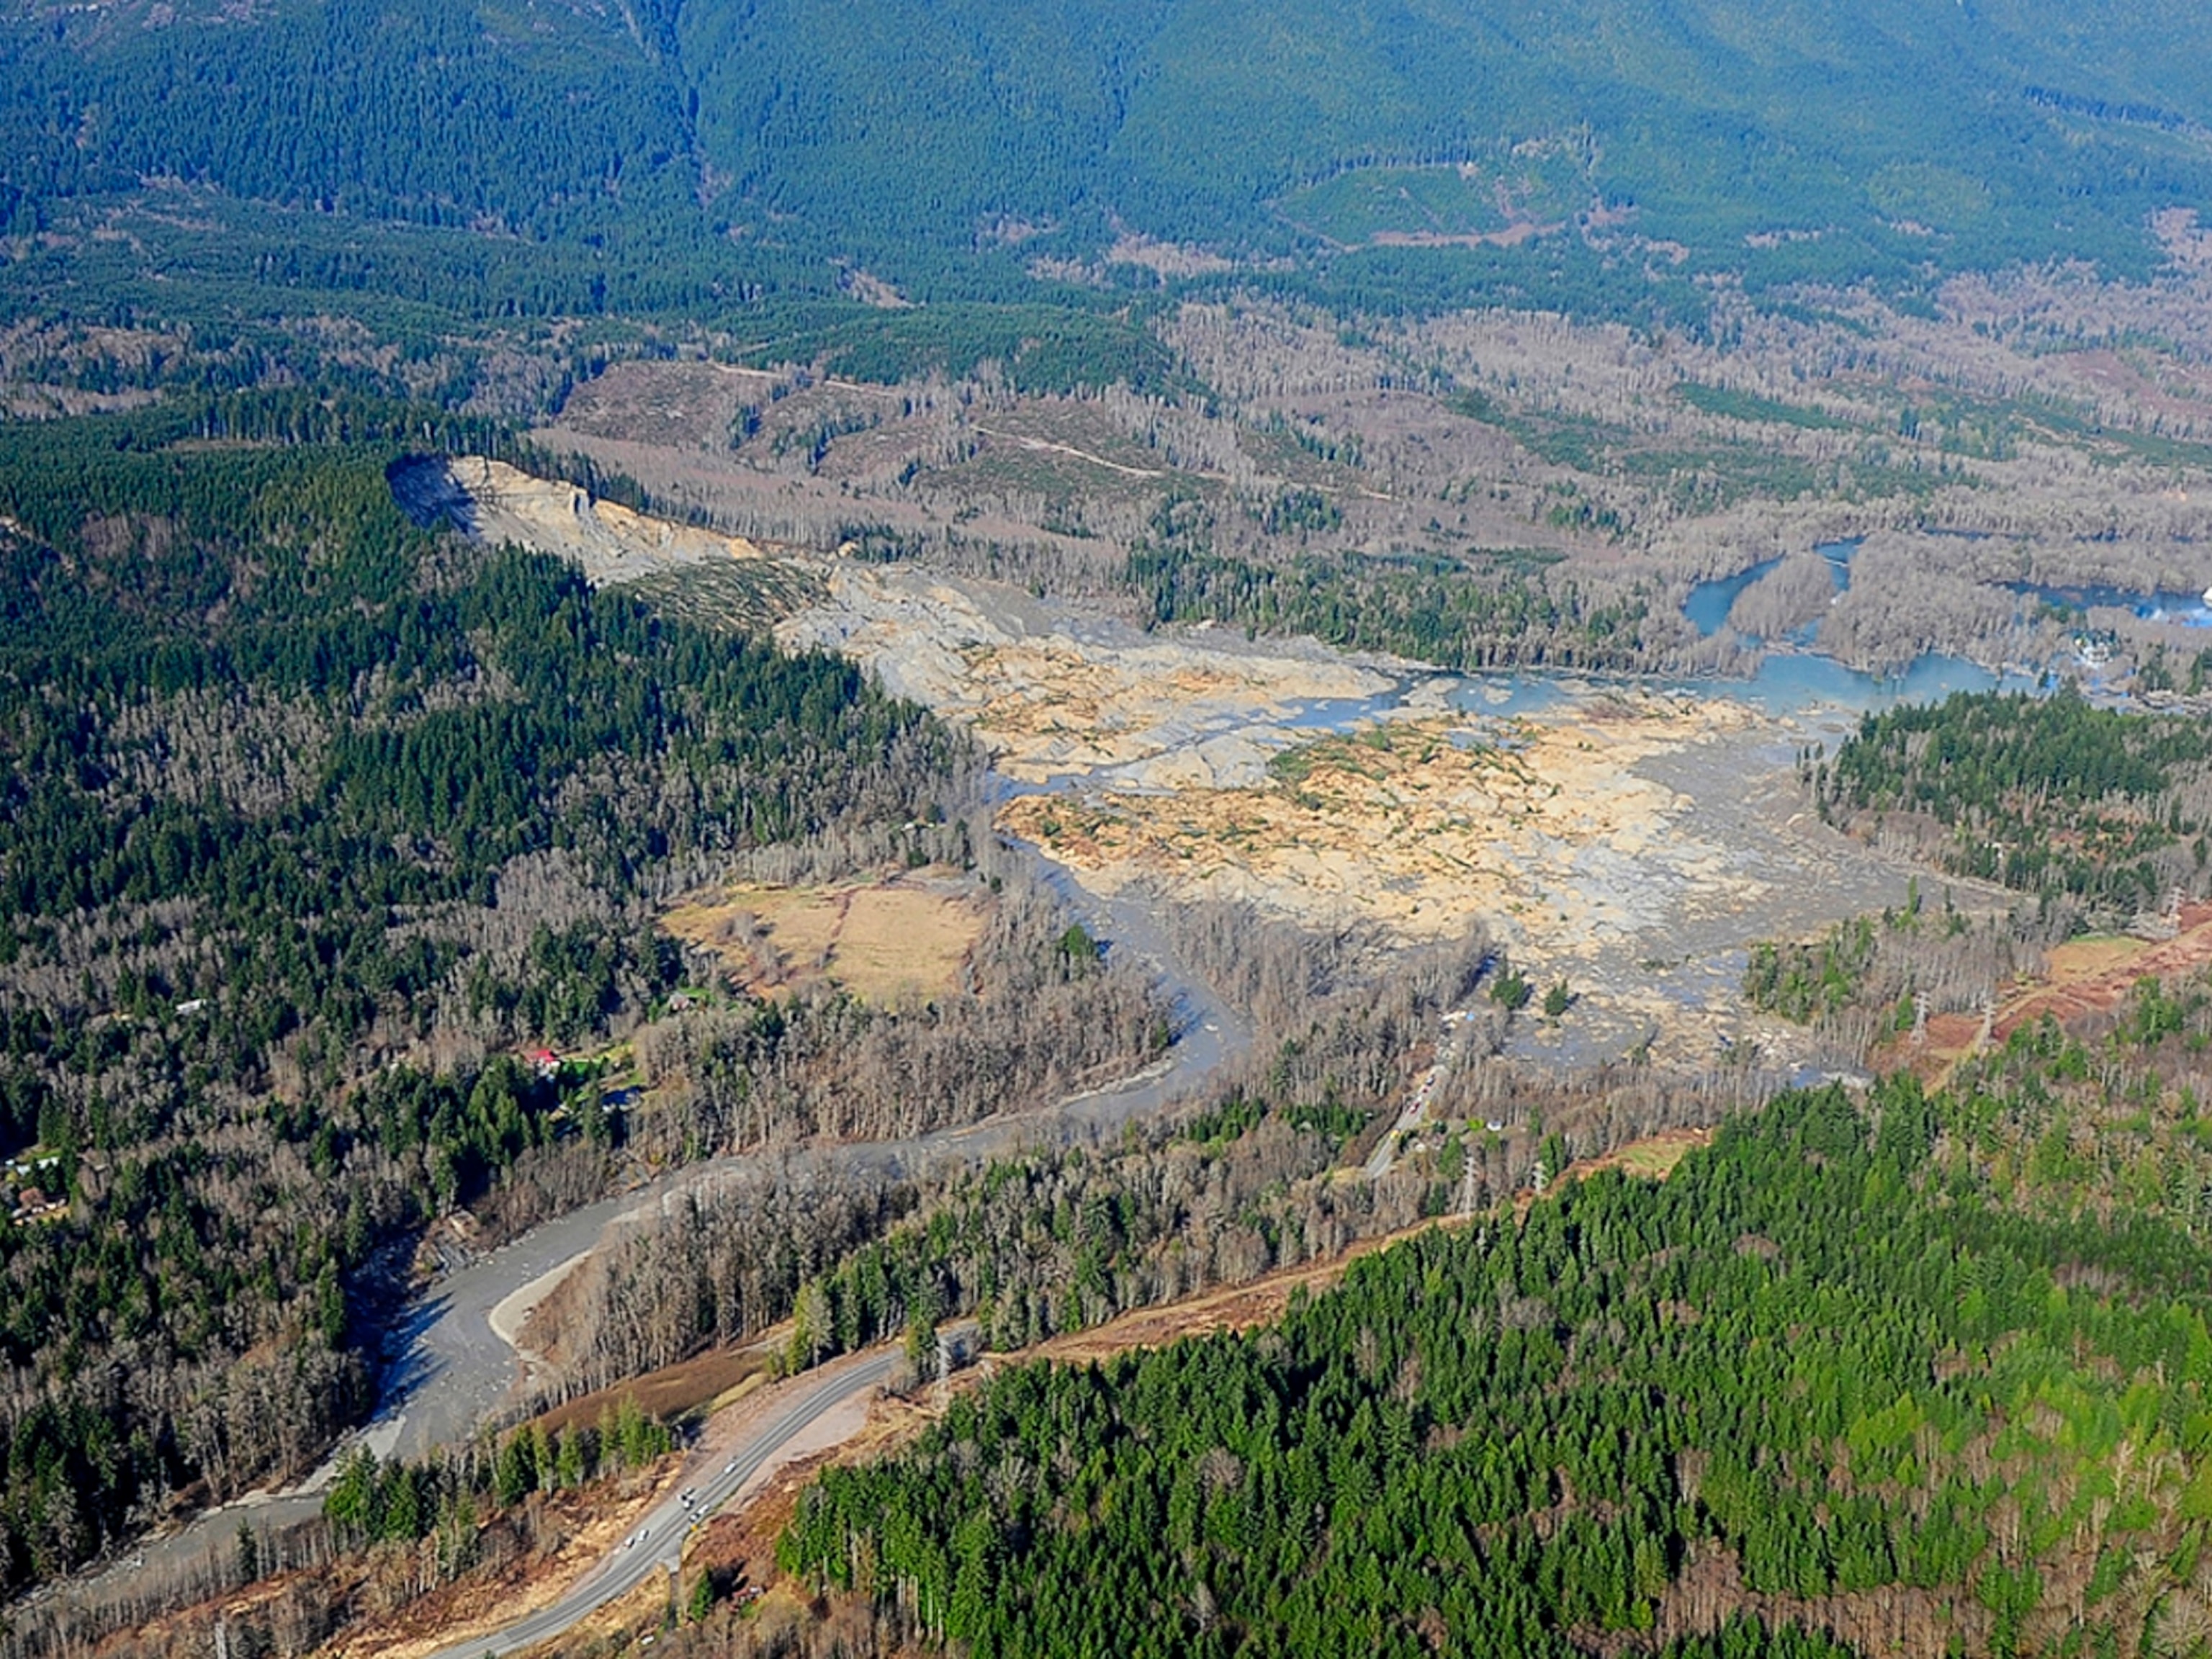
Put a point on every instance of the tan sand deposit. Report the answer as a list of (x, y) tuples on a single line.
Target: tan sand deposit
[(1050, 700), (1539, 824)]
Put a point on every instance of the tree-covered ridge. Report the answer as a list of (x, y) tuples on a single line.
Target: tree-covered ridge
[(2053, 795), (433, 114), (949, 145), (421, 727), (302, 812), (1493, 611), (1821, 1364)]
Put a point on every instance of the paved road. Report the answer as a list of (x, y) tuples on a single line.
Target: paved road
[(450, 1369), (1416, 1109), (657, 1547)]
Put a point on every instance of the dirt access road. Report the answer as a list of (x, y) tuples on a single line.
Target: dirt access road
[(2081, 977), (802, 1417)]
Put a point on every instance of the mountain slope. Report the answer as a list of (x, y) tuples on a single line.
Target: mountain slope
[(1895, 138)]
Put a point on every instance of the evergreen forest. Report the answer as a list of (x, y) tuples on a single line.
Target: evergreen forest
[(1849, 1375), (686, 156), (295, 799), (2054, 795)]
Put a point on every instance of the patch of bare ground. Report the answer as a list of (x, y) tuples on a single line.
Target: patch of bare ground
[(1164, 259), (1075, 452), (711, 1380), (873, 290), (532, 1553), (2082, 977), (903, 940), (738, 1548), (681, 405), (494, 503), (2103, 980), (2183, 391), (1512, 236), (42, 403), (1542, 823), (1652, 1158)]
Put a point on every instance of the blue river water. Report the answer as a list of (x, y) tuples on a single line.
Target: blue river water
[(1788, 683), (1792, 681), (1709, 602), (2183, 610)]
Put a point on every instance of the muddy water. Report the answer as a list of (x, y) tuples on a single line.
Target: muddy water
[(1800, 684)]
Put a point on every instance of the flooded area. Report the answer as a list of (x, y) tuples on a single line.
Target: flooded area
[(2180, 610), (1631, 837), (1710, 602), (1795, 678)]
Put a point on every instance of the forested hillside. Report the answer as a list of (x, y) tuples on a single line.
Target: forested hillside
[(369, 894), (2054, 795), (1839, 1373), (690, 153), (306, 817)]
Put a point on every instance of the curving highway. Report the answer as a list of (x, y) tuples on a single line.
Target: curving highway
[(448, 1368), (657, 1547)]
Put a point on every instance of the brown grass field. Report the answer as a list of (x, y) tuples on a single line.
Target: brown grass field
[(901, 940)]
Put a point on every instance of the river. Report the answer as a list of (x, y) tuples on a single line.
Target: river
[(448, 1370)]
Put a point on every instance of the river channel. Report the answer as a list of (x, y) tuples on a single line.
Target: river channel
[(446, 1370)]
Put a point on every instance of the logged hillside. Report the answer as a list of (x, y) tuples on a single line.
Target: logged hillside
[(688, 152)]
